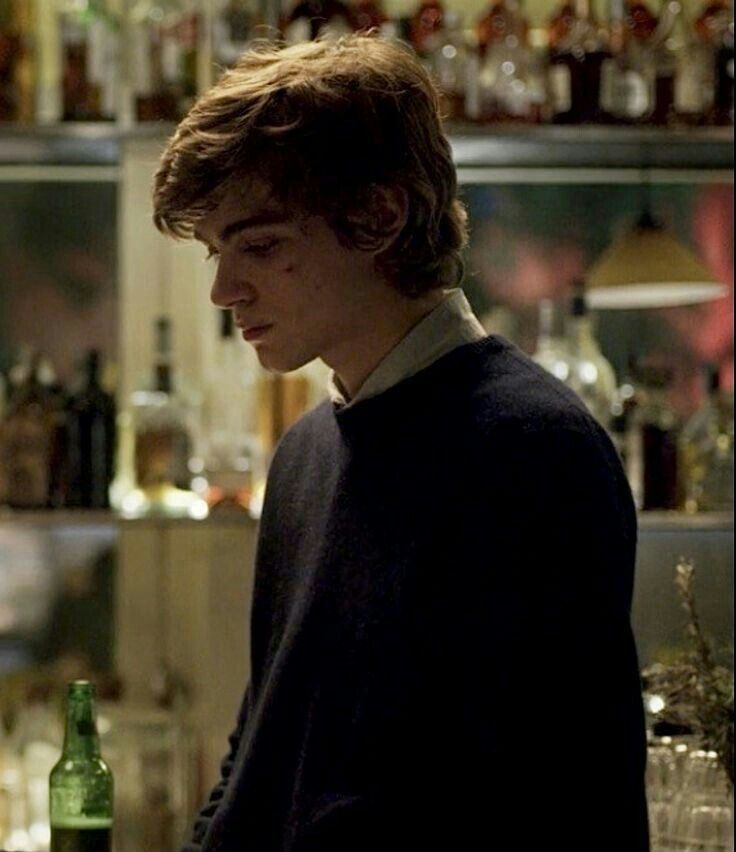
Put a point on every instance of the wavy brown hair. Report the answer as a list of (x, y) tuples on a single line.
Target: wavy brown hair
[(324, 123)]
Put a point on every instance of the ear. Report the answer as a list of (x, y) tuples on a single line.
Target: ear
[(389, 210), (382, 217)]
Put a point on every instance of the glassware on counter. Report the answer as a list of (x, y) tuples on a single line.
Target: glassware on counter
[(551, 352)]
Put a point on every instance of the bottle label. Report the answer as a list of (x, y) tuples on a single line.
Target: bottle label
[(560, 89), (625, 92)]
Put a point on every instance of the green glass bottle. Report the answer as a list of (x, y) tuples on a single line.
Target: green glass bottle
[(81, 785)]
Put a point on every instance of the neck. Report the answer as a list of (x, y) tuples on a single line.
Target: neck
[(359, 356)]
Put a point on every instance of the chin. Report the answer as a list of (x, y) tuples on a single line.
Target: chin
[(280, 362)]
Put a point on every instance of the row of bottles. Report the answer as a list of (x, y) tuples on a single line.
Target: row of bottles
[(94, 60), (56, 443), (669, 66), (671, 464), (168, 451)]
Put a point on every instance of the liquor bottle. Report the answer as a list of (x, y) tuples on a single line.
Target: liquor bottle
[(310, 18), (511, 81), (89, 56), (657, 429), (560, 24), (628, 77), (154, 444), (449, 65), (370, 14), (552, 352), (425, 27), (502, 19), (715, 29), (28, 441), (233, 458), (685, 82), (706, 451), (16, 61), (574, 69), (591, 375), (163, 58), (233, 28), (81, 783), (90, 422)]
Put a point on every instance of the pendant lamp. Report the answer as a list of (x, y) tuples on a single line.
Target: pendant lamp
[(647, 267)]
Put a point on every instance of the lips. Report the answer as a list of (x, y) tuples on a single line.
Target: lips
[(254, 332)]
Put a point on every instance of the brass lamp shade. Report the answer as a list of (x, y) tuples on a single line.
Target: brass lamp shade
[(646, 267)]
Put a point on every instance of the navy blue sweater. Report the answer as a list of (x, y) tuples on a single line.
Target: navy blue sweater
[(441, 645)]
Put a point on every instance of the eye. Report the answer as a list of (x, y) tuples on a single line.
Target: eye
[(260, 249)]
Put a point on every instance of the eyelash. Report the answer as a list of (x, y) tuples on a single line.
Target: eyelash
[(259, 249)]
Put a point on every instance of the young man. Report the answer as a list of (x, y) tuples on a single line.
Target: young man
[(441, 651)]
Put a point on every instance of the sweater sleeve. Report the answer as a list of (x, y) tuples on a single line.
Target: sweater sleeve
[(204, 818)]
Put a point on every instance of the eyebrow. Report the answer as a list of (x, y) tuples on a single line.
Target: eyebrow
[(254, 221)]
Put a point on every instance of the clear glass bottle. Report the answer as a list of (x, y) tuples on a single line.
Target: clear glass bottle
[(449, 63), (706, 451), (155, 443), (163, 58), (552, 352), (591, 375), (684, 70), (233, 458), (576, 55), (81, 783), (89, 33), (511, 80), (628, 77)]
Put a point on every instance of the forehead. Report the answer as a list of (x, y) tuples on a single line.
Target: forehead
[(242, 199)]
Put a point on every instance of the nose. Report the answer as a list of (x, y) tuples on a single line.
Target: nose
[(229, 287)]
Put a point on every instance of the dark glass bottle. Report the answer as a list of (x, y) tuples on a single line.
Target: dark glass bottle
[(90, 440), (574, 72), (81, 783)]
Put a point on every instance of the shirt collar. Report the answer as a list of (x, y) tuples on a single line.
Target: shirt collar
[(451, 324)]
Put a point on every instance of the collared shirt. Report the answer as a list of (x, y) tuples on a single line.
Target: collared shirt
[(451, 324)]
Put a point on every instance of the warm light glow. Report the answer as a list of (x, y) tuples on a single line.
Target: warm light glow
[(664, 295)]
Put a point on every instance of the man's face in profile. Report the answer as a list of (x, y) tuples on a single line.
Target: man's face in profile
[(295, 292)]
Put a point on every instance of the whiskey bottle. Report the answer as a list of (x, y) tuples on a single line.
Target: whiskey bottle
[(425, 27), (715, 30), (154, 442), (577, 52), (89, 56), (16, 62), (28, 441), (90, 451), (232, 31), (163, 58)]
